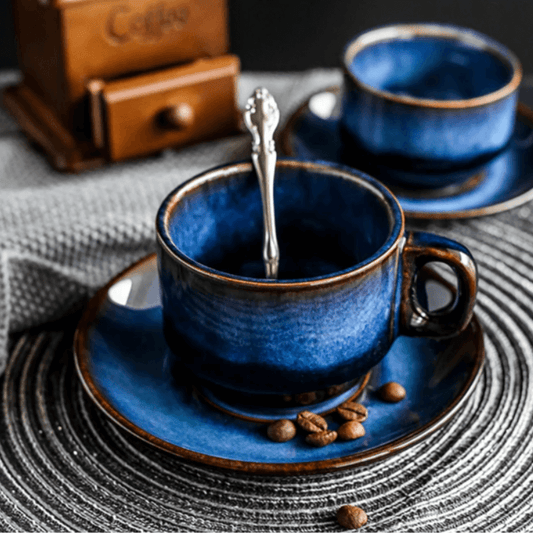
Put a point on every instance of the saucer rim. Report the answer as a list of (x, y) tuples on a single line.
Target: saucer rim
[(82, 357), (522, 110)]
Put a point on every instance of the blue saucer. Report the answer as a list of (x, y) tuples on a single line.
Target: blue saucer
[(312, 133), (127, 369)]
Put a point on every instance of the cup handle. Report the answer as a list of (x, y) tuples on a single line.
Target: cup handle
[(421, 248)]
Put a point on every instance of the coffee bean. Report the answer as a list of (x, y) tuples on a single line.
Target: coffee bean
[(322, 438), (281, 430), (311, 422), (353, 411), (351, 430), (305, 398), (351, 517), (392, 392), (335, 389)]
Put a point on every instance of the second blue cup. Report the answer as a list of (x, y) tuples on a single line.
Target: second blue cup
[(429, 97)]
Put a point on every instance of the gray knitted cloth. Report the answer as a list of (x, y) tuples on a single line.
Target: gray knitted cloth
[(64, 466)]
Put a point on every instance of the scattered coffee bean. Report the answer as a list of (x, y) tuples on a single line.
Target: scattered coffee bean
[(311, 422), (281, 430), (305, 398), (323, 438), (392, 392), (335, 389), (351, 430), (353, 411), (351, 517)]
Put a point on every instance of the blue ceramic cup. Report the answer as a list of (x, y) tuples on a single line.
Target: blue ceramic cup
[(428, 97), (346, 286)]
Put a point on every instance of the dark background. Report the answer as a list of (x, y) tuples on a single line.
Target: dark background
[(300, 34)]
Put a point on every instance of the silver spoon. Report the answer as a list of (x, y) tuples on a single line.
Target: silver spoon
[(261, 117)]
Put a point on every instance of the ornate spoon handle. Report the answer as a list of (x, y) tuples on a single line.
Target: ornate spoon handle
[(261, 117)]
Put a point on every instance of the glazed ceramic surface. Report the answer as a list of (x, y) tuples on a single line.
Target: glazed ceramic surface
[(128, 370), (313, 133), (340, 300), (428, 96)]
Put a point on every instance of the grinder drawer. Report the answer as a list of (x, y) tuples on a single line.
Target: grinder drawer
[(173, 107)]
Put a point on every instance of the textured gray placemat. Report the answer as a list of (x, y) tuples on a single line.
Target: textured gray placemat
[(64, 466)]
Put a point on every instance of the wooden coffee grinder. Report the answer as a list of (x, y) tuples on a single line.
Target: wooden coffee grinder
[(107, 80)]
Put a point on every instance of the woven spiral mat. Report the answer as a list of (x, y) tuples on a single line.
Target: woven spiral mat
[(64, 466)]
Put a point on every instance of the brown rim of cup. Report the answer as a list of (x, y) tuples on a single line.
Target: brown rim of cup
[(406, 31), (382, 193)]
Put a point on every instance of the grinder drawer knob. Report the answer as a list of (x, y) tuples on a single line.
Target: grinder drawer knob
[(178, 116)]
